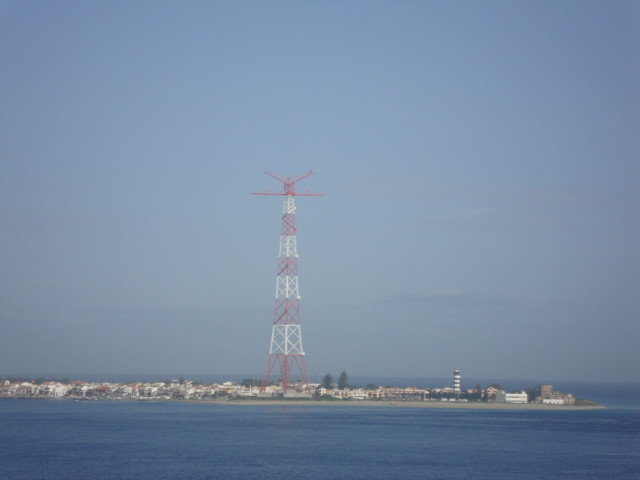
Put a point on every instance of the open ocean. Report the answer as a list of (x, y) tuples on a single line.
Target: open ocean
[(63, 439)]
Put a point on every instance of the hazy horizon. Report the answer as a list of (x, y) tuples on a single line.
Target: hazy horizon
[(357, 380), (479, 160)]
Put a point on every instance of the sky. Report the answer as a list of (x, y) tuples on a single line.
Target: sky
[(479, 160)]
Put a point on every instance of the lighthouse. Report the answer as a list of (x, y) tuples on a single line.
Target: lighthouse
[(456, 381)]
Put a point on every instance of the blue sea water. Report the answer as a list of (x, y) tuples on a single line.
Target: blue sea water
[(61, 439)]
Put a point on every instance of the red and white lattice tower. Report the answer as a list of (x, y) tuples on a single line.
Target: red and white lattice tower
[(286, 337)]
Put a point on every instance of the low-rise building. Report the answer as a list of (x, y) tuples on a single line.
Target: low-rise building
[(503, 397), (550, 397)]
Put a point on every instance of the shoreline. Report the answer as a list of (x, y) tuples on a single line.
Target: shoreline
[(339, 403), (392, 404)]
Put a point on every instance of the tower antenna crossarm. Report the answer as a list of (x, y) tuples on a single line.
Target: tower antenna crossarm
[(289, 186)]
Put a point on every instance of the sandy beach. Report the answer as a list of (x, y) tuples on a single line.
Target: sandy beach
[(390, 404)]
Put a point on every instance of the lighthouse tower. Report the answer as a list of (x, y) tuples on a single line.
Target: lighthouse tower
[(456, 381), (286, 349)]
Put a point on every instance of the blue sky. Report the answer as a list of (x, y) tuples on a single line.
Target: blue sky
[(480, 161)]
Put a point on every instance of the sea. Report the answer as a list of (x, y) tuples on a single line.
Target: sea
[(66, 439)]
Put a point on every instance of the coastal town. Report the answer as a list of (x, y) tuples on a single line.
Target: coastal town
[(181, 389)]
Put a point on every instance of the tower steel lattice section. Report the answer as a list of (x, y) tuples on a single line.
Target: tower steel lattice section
[(286, 350)]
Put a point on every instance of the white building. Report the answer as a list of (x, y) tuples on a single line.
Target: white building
[(358, 394), (502, 397)]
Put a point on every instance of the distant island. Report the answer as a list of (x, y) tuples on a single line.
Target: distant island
[(248, 391)]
